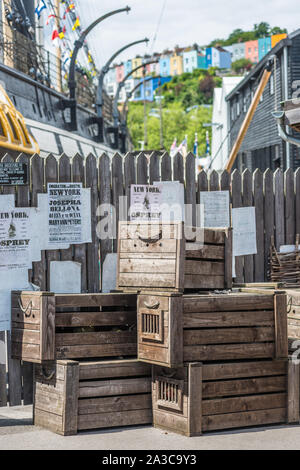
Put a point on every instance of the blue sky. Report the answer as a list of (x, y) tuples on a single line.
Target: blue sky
[(183, 22)]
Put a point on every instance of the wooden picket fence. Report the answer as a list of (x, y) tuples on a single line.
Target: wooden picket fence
[(276, 197)]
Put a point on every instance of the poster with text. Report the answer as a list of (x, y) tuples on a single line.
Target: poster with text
[(15, 239), (145, 201), (244, 231), (65, 213), (216, 208)]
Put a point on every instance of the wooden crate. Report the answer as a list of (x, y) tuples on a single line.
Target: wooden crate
[(47, 326), (173, 329), (210, 397), (171, 256), (71, 396)]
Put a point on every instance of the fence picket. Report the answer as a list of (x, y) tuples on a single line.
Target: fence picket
[(289, 199), (190, 189), (154, 170), (165, 167), (104, 202), (278, 207), (258, 199), (178, 171), (247, 201), (236, 182), (142, 169), (91, 181), (297, 199)]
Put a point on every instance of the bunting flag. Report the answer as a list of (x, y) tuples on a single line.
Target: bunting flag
[(55, 38), (68, 9), (183, 147), (76, 24), (207, 144), (173, 149), (62, 32), (50, 17), (40, 7), (90, 59), (196, 145)]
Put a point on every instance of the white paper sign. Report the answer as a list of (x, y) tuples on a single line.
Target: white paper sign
[(216, 208), (65, 277), (172, 201), (109, 273), (65, 212), (145, 201), (15, 239), (288, 248), (244, 231)]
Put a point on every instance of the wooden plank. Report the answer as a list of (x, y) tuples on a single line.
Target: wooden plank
[(147, 265), (225, 181), (228, 259), (71, 394), (246, 403), (247, 201), (204, 267), (91, 181), (178, 169), (23, 200), (297, 199), (213, 183), (37, 185), (114, 387), (280, 315), (249, 386), (117, 191), (3, 392), (114, 404), (231, 302), (236, 194), (258, 199), (98, 350), (154, 167), (146, 280), (80, 250), (142, 169), (279, 208), (121, 418), (129, 177), (193, 281), (239, 420), (99, 337), (228, 352), (14, 375), (228, 319), (80, 319), (166, 167), (190, 190), (213, 252), (293, 413), (104, 207), (112, 369), (163, 246), (289, 208), (212, 236), (47, 332), (95, 300), (65, 176), (268, 217), (245, 369), (228, 335), (51, 176), (195, 399)]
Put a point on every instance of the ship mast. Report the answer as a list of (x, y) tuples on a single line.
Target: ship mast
[(58, 51)]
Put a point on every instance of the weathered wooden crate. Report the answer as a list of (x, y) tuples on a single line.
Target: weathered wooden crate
[(174, 257), (71, 396), (173, 329), (210, 397), (47, 326)]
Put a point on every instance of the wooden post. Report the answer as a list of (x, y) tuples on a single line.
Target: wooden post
[(195, 399), (248, 118), (293, 392), (281, 334)]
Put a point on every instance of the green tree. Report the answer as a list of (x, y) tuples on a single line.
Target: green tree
[(239, 66)]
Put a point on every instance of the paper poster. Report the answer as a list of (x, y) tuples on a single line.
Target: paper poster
[(15, 239), (145, 201), (65, 212), (172, 200), (216, 208), (244, 231)]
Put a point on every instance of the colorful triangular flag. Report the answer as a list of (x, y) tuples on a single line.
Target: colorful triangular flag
[(76, 24)]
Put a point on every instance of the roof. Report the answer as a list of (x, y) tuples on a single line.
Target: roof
[(261, 64)]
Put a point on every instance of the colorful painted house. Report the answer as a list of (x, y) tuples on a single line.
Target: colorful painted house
[(147, 89), (238, 51), (127, 67), (190, 60), (136, 62), (120, 73), (218, 57), (176, 64), (201, 61), (164, 65), (251, 51), (276, 38), (264, 46)]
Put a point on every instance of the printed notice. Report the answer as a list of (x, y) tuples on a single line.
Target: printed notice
[(216, 208), (65, 212), (172, 200), (15, 239), (244, 231), (145, 201)]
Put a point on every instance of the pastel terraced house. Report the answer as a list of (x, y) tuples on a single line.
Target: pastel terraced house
[(251, 51)]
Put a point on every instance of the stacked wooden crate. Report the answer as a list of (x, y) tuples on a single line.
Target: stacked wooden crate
[(103, 385), (220, 358)]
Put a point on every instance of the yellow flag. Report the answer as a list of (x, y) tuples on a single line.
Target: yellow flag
[(76, 24)]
